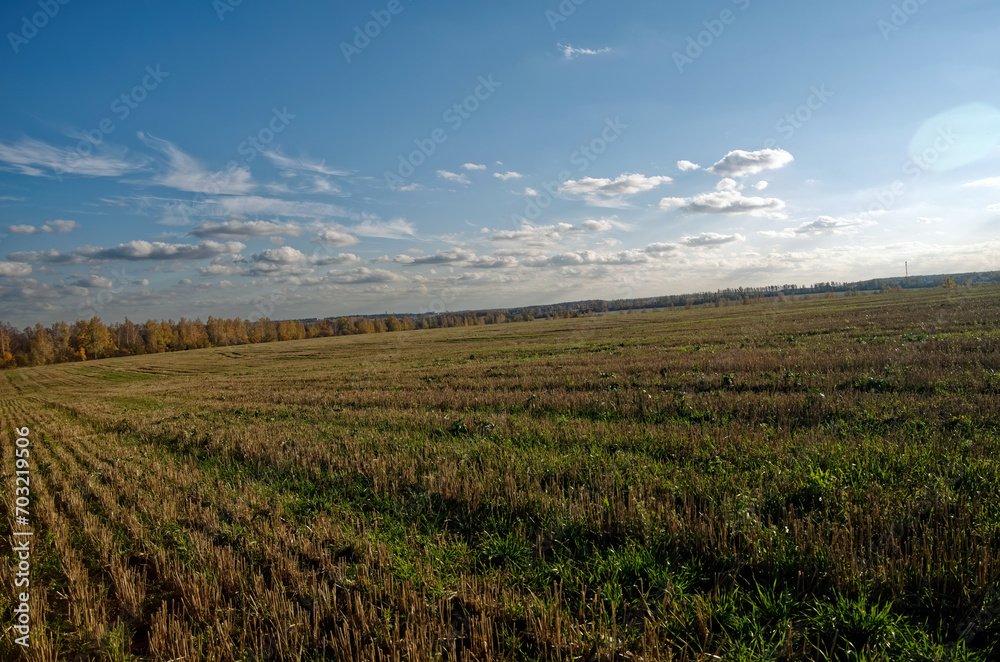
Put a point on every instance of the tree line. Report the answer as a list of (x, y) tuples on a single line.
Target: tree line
[(93, 339)]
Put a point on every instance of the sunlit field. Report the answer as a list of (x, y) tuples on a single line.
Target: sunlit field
[(807, 480)]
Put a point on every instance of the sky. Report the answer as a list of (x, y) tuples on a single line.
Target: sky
[(313, 159)]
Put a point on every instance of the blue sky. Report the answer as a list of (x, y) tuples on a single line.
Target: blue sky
[(168, 159)]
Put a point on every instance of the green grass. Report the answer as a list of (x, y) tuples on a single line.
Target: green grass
[(798, 481)]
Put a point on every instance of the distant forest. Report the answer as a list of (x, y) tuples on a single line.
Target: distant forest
[(93, 339)]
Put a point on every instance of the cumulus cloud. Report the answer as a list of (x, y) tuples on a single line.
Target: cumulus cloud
[(660, 248), (133, 251), (39, 159), (603, 192), (94, 281), (602, 225), (824, 225), (739, 163), (14, 269), (546, 235), (530, 192), (362, 275), (448, 256), (334, 237), (452, 177), (244, 230), (685, 166), (570, 52), (473, 166), (184, 173), (588, 257), (51, 227), (711, 240), (510, 174), (727, 201)]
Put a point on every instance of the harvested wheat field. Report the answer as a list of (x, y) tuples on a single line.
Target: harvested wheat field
[(810, 480)]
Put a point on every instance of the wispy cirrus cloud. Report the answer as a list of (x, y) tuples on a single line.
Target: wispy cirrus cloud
[(452, 177), (571, 52), (510, 174), (183, 173), (39, 159), (824, 225)]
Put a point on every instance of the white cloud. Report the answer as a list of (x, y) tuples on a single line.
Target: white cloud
[(334, 237), (602, 225), (38, 159), (397, 228), (244, 230), (184, 173), (304, 163), (587, 257), (473, 166), (362, 275), (283, 255), (660, 248), (452, 177), (51, 227), (94, 281), (602, 191), (685, 166), (336, 260), (711, 240), (9, 269), (824, 225), (761, 185), (727, 201), (510, 174), (530, 192), (739, 163), (547, 235), (134, 250), (569, 52), (928, 221), (250, 205)]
